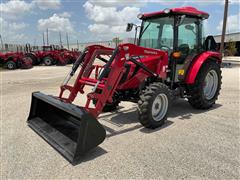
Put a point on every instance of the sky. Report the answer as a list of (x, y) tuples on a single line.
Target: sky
[(24, 21)]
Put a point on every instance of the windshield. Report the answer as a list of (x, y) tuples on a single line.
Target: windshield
[(157, 33)]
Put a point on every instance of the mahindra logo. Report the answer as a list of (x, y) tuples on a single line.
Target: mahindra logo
[(150, 52)]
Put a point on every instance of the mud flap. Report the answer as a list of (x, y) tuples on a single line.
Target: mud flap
[(70, 129)]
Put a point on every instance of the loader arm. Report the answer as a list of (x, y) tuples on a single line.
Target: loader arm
[(106, 84)]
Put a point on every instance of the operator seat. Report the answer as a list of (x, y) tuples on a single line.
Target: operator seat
[(210, 44), (184, 49)]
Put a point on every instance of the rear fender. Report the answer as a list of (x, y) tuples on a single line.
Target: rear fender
[(198, 62)]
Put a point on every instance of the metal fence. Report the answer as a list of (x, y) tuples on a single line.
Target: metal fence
[(16, 48), (71, 46)]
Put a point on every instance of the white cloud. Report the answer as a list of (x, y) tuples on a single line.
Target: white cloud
[(15, 8), (114, 3), (233, 24), (56, 23), (109, 21), (110, 15), (12, 31), (106, 32), (65, 15), (48, 4)]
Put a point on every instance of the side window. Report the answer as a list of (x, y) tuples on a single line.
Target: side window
[(187, 36)]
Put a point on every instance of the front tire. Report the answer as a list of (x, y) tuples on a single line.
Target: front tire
[(48, 61), (10, 65), (153, 105), (205, 91)]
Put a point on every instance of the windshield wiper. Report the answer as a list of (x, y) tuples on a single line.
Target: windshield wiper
[(144, 30)]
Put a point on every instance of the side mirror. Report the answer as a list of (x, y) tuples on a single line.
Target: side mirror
[(129, 27)]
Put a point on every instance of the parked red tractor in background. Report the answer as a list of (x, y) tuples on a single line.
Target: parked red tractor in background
[(68, 56), (48, 55), (170, 61), (51, 55), (14, 60)]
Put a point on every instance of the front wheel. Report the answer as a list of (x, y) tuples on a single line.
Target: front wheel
[(204, 92), (48, 61), (153, 105), (10, 65)]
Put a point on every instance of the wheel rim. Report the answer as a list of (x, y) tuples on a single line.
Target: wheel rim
[(210, 84), (10, 66), (159, 107), (47, 62)]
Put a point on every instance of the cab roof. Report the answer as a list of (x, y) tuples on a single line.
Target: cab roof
[(181, 10)]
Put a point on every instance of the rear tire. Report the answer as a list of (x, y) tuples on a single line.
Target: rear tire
[(48, 61), (205, 91), (154, 104), (33, 58), (10, 65)]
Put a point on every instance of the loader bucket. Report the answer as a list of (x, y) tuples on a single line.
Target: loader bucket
[(70, 129)]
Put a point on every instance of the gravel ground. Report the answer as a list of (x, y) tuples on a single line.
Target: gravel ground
[(192, 144)]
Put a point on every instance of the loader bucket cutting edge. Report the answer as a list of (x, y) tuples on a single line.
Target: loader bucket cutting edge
[(70, 129)]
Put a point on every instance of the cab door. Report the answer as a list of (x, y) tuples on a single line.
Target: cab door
[(189, 43)]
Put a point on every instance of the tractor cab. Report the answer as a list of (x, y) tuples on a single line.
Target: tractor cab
[(178, 29)]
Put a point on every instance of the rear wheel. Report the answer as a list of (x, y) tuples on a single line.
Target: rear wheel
[(10, 65), (154, 105), (205, 91), (33, 58), (48, 61)]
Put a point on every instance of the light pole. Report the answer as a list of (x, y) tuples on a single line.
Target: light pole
[(43, 39), (1, 42), (47, 36), (224, 26), (67, 40), (60, 39)]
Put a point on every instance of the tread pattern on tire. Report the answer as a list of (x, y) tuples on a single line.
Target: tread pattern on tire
[(145, 104), (197, 99)]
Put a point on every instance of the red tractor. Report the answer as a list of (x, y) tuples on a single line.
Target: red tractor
[(70, 56), (49, 55), (14, 60), (170, 61)]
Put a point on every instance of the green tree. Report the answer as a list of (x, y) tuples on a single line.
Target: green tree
[(231, 48)]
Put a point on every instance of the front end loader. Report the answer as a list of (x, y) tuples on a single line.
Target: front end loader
[(169, 61)]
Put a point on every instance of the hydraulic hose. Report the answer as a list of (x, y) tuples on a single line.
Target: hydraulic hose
[(79, 60), (106, 68)]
